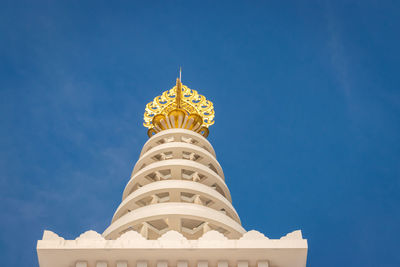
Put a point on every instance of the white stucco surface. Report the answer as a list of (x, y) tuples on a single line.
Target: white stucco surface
[(252, 249)]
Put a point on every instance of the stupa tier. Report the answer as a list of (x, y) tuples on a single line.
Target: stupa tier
[(177, 184)]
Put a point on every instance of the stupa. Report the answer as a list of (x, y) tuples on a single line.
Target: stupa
[(176, 208)]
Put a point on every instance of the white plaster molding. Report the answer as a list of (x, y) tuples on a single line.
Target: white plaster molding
[(212, 236), (49, 235), (131, 236), (252, 239), (169, 238), (213, 239), (172, 235), (253, 235), (293, 235), (173, 239), (52, 239), (90, 239), (212, 246), (90, 235)]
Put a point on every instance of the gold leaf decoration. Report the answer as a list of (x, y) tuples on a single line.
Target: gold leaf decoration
[(191, 102)]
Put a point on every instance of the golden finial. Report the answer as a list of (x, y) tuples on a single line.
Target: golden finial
[(179, 89), (179, 107)]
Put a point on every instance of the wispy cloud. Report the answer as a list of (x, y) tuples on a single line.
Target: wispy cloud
[(340, 61)]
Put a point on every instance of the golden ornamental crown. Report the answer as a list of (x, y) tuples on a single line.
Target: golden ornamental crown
[(179, 107)]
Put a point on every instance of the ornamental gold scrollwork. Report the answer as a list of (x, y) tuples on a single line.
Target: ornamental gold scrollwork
[(191, 102)]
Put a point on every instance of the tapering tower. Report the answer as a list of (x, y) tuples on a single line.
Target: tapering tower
[(176, 209), (177, 183)]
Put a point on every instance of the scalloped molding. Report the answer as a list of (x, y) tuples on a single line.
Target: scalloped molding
[(131, 236), (170, 239), (89, 236), (49, 235), (172, 235), (212, 235), (293, 235), (253, 235)]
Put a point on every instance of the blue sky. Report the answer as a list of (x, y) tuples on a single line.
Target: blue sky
[(307, 105)]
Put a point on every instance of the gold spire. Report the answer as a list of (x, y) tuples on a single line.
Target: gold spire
[(178, 92), (179, 107)]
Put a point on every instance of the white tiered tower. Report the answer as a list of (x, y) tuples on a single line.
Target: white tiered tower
[(176, 209), (177, 184)]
